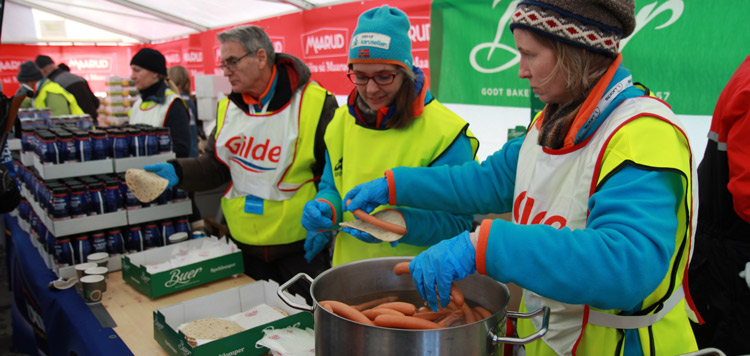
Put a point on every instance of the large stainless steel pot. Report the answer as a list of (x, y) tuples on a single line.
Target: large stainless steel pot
[(335, 335)]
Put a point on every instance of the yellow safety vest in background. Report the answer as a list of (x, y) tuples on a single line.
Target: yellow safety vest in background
[(360, 154), (40, 101), (280, 222)]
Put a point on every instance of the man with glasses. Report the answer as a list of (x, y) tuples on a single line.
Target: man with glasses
[(268, 142), (390, 120)]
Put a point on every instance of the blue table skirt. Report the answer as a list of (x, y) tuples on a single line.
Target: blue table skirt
[(45, 321)]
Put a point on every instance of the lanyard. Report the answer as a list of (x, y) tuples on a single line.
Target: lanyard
[(607, 99)]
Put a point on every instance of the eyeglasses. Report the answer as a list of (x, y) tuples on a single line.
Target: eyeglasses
[(382, 78), (232, 64)]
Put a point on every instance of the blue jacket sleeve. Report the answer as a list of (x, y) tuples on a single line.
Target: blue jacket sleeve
[(470, 188), (428, 227), (327, 191), (614, 263)]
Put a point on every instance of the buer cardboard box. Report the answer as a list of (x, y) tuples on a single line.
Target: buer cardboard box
[(176, 279), (222, 304)]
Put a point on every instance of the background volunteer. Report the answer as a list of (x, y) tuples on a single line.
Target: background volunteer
[(273, 108), (45, 93), (74, 84), (390, 119), (600, 191), (721, 241), (157, 104)]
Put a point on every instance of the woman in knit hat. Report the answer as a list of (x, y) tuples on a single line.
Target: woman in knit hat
[(601, 191), (390, 120), (159, 104)]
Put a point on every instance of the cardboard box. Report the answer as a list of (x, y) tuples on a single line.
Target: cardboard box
[(123, 164), (160, 212), (72, 169), (180, 278), (223, 304), (71, 226)]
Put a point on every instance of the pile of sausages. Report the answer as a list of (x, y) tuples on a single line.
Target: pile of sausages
[(390, 313)]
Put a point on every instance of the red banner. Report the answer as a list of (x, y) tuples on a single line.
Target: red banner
[(319, 37)]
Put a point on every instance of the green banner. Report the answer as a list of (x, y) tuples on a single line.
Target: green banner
[(684, 51)]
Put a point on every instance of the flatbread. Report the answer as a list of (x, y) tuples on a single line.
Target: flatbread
[(210, 329), (146, 186), (389, 215)]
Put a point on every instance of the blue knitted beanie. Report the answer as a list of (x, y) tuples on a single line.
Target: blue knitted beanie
[(382, 36)]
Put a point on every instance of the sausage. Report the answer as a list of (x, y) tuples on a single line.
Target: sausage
[(468, 314), (432, 315), (483, 312), (451, 318), (401, 268), (373, 313), (326, 306), (378, 222), (346, 311), (404, 322), (373, 303), (403, 307), (457, 296)]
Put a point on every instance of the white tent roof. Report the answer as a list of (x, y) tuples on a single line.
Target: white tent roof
[(132, 21)]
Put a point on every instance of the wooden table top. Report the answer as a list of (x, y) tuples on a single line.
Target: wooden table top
[(133, 311)]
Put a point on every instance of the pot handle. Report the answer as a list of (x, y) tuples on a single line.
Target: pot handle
[(525, 340), (285, 298)]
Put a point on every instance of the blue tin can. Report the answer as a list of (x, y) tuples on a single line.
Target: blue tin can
[(98, 242), (65, 146), (166, 229), (151, 235), (81, 248), (60, 203), (83, 146), (182, 225), (165, 139), (112, 198), (135, 143), (47, 149), (136, 242), (64, 252), (151, 143), (27, 139), (79, 202), (199, 234), (115, 243), (119, 144), (98, 144), (96, 199)]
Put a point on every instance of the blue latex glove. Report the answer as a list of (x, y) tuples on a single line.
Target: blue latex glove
[(314, 243), (317, 216), (365, 237), (164, 170), (367, 196), (440, 265)]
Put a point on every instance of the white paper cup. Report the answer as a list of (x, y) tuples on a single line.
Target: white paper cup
[(82, 267), (177, 237), (100, 258), (93, 286), (101, 271)]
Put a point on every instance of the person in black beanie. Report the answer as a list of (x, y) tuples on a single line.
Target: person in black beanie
[(159, 104), (74, 84)]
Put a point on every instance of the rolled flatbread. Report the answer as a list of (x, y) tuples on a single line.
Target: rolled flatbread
[(146, 186), (389, 215), (210, 329)]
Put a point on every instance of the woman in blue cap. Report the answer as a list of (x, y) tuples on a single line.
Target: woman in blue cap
[(390, 120), (601, 190)]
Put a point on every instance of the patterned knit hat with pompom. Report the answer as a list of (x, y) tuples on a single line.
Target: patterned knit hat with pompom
[(597, 25)]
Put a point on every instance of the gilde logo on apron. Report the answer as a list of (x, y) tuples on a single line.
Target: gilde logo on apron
[(243, 148)]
